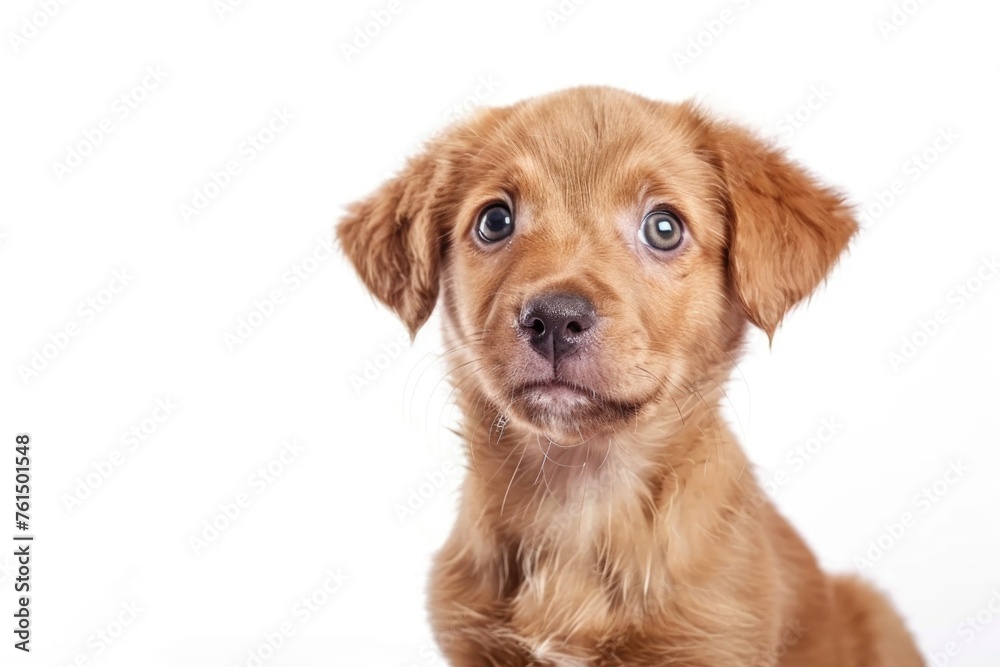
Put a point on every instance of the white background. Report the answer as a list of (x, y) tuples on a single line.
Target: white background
[(370, 444)]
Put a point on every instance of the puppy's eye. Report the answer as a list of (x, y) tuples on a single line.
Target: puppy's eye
[(495, 223), (661, 230)]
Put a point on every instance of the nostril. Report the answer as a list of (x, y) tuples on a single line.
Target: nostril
[(555, 324)]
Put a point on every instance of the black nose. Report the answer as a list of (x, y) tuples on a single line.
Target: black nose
[(556, 323)]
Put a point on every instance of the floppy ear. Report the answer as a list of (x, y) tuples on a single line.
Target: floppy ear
[(395, 241), (786, 230)]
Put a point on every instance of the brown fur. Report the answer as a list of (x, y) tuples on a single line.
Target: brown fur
[(628, 531)]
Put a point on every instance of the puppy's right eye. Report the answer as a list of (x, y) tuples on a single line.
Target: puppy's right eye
[(661, 230), (496, 223)]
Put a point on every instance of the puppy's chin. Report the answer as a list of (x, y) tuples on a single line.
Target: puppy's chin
[(568, 413)]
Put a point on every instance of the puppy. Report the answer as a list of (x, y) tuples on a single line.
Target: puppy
[(599, 257)]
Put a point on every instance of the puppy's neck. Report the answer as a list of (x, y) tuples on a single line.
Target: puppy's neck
[(531, 485)]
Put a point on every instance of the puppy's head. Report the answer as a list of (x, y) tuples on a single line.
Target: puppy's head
[(598, 254)]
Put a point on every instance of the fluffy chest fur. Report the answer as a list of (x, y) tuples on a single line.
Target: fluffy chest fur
[(608, 540)]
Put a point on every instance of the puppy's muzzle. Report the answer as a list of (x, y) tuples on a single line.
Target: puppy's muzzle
[(556, 324)]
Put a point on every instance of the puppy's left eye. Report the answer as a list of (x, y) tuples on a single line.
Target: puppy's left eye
[(661, 230), (496, 223)]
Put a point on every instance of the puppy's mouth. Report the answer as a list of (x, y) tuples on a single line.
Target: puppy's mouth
[(560, 406), (556, 390)]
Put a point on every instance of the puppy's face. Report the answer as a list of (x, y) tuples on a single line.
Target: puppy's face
[(587, 263), (599, 253)]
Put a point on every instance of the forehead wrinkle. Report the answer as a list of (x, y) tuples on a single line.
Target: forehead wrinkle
[(577, 171), (688, 181)]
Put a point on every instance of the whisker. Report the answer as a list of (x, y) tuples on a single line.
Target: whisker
[(545, 454), (503, 504), (456, 388), (430, 396), (452, 347)]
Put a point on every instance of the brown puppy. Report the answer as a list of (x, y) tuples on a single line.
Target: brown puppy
[(599, 256)]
